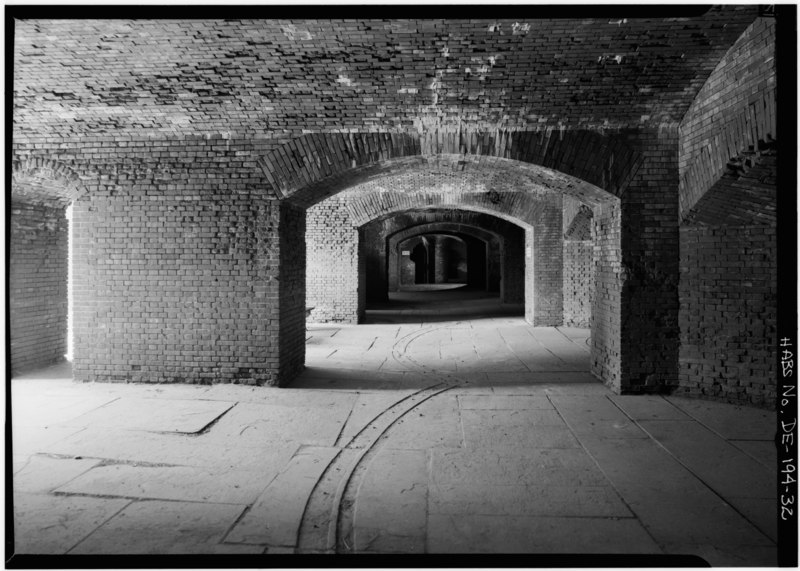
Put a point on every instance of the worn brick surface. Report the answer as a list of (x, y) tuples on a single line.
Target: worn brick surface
[(252, 77), (177, 268), (332, 271), (734, 110), (37, 286), (728, 290)]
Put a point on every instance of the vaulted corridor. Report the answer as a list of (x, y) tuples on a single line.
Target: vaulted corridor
[(373, 281)]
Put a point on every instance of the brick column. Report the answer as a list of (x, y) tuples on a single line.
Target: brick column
[(650, 267), (441, 255), (331, 241)]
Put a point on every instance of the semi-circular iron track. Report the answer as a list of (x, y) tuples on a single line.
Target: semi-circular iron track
[(327, 522)]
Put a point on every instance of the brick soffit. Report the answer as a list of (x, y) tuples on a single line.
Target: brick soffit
[(316, 166)]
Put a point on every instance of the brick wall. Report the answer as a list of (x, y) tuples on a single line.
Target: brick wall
[(37, 285), (578, 282), (727, 239), (578, 263), (547, 267), (728, 291), (606, 355), (332, 278), (176, 266)]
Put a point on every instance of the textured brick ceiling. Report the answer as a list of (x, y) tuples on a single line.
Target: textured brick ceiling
[(274, 78)]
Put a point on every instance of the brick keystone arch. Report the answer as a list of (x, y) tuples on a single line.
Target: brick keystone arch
[(44, 181), (315, 166)]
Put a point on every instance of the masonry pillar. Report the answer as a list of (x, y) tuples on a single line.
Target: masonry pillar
[(441, 259), (291, 292), (372, 251), (514, 284), (334, 292), (177, 281), (650, 267)]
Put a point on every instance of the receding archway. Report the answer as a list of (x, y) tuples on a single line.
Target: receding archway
[(524, 200), (451, 258), (519, 176)]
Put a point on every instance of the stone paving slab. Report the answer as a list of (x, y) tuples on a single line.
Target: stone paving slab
[(28, 440), (648, 407), (761, 512), (18, 462), (52, 525), (286, 396), (154, 415), (391, 505), (562, 348), (538, 357), (503, 419), (726, 469), (553, 388), (531, 467), (763, 451), (367, 407), (597, 417), (492, 365), (729, 421), (523, 431), (42, 474), (170, 483), (176, 449), (516, 534), (252, 425), (432, 424), (158, 527), (497, 402), (526, 500), (672, 504), (561, 378), (274, 518), (62, 404), (351, 380)]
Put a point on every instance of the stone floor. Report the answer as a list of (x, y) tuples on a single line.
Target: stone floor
[(468, 435)]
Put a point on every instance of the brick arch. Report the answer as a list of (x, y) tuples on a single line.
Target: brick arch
[(491, 239), (516, 208), (44, 181), (734, 112), (442, 227), (315, 166)]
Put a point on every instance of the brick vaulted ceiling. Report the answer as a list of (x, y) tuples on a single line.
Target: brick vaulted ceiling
[(277, 78)]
